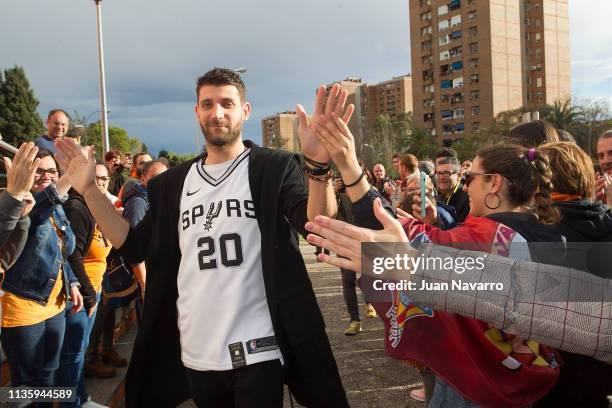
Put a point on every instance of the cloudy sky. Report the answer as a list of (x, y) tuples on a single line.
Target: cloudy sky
[(156, 50)]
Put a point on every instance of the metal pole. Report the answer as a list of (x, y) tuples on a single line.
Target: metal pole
[(103, 111)]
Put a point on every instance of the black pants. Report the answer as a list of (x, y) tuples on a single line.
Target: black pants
[(349, 290), (253, 386)]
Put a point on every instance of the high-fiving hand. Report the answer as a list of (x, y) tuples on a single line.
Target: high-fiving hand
[(79, 163), (21, 171), (311, 145)]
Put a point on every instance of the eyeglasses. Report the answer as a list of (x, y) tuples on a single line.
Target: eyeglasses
[(41, 172), (445, 173), (469, 177), (102, 178)]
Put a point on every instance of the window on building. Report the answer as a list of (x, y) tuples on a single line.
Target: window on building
[(474, 63), (473, 31), (538, 52), (447, 114), (456, 52), (446, 129), (471, 15), (529, 81), (474, 47), (458, 82), (444, 55), (459, 127), (457, 65), (427, 59), (427, 75), (428, 117), (538, 37), (537, 22), (426, 16), (459, 113), (443, 10), (455, 35), (443, 25), (475, 110), (425, 2), (446, 84), (527, 6), (444, 98), (474, 78), (454, 4), (527, 36), (539, 82), (475, 126), (444, 39), (527, 21), (471, 2), (426, 45), (455, 20)]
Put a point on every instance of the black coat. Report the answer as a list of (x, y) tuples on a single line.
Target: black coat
[(156, 376)]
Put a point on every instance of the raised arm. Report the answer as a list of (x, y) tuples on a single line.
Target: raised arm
[(321, 197), (80, 165)]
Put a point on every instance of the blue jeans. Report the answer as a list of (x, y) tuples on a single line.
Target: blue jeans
[(71, 373), (445, 396), (33, 352)]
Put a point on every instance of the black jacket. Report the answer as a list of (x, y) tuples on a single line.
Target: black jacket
[(459, 203), (83, 227), (587, 225), (156, 376)]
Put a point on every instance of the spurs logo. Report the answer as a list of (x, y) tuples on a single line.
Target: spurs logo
[(212, 214)]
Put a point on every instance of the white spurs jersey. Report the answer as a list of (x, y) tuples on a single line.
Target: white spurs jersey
[(222, 306)]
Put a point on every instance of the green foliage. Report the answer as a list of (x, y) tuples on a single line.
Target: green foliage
[(177, 158), (163, 153), (118, 138), (19, 121), (144, 148)]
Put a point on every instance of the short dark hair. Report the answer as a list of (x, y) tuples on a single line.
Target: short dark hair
[(149, 164), (533, 134), (112, 154), (445, 152), (396, 156), (220, 77), (54, 111), (451, 160), (410, 162), (42, 153), (75, 132)]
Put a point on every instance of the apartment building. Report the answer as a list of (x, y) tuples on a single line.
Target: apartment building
[(472, 59), (390, 97), (280, 131)]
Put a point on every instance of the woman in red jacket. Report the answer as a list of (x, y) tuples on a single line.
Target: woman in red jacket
[(475, 364)]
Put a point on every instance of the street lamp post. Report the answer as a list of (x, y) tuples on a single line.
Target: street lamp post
[(103, 110), (86, 122)]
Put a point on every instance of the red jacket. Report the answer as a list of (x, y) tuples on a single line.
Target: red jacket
[(484, 364)]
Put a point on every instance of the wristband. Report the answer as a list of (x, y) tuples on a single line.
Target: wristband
[(356, 181)]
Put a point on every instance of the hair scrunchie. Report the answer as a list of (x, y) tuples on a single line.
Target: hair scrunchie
[(531, 154)]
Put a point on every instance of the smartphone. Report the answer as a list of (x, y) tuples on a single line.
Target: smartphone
[(423, 194)]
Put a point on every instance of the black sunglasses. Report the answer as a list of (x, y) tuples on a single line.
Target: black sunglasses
[(469, 177)]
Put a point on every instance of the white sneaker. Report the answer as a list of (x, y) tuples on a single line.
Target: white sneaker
[(92, 404)]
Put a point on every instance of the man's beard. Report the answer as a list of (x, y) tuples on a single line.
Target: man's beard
[(221, 139), (607, 168)]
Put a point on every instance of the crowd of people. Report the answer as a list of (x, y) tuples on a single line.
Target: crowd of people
[(226, 310)]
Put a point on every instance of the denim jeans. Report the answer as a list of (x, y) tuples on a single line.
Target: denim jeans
[(445, 396), (76, 339), (33, 352)]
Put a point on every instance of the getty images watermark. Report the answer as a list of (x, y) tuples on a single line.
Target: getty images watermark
[(400, 267)]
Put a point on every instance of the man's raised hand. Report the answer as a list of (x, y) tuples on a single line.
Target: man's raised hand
[(336, 101)]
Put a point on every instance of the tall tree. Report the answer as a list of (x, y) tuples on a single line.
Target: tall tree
[(561, 114), (118, 139), (19, 120)]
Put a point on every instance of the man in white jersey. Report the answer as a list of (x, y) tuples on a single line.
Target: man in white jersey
[(230, 313)]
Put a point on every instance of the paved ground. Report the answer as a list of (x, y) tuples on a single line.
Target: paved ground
[(371, 379)]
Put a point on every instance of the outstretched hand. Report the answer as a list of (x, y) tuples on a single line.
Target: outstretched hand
[(79, 164), (310, 144), (345, 239), (21, 171)]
